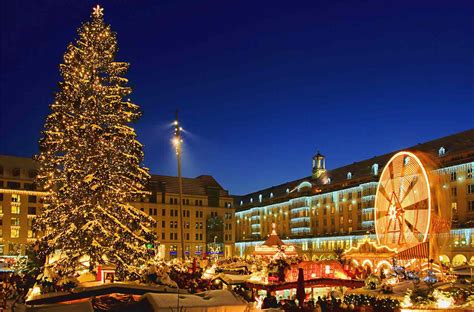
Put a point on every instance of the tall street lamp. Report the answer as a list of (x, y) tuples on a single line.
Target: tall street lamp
[(177, 142)]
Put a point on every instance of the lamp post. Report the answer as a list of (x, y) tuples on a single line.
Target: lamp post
[(177, 142)]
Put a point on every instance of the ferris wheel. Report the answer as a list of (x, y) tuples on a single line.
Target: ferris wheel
[(403, 202)]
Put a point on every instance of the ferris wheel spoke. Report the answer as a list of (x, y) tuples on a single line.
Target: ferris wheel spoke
[(409, 189), (392, 178), (384, 193), (419, 205), (412, 228)]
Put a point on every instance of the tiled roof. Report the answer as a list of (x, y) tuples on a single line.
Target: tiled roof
[(362, 171), (200, 185)]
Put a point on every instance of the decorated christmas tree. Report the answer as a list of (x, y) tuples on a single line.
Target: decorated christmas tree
[(90, 162)]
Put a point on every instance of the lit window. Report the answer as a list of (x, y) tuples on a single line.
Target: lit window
[(260, 198), (349, 175), (15, 209), (406, 160), (441, 151), (15, 198), (271, 195), (454, 207), (375, 169), (15, 232), (251, 200), (241, 203)]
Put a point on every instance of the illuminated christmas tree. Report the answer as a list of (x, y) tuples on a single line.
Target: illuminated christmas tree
[(90, 161)]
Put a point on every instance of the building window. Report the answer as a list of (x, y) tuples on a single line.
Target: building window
[(454, 207), (406, 160), (375, 169), (469, 173), (16, 172), (441, 151), (470, 189), (15, 232), (453, 176), (271, 195), (349, 175), (162, 235), (13, 185), (15, 198), (15, 221), (241, 203), (31, 210), (163, 212), (454, 191), (15, 209), (471, 205), (163, 224), (260, 198)]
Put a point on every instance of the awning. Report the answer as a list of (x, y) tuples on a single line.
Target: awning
[(419, 251)]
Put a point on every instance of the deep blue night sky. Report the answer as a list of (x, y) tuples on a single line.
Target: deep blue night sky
[(261, 85)]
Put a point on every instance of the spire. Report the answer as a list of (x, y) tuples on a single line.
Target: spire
[(319, 165), (274, 232)]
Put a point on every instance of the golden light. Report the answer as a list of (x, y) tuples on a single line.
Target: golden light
[(176, 141)]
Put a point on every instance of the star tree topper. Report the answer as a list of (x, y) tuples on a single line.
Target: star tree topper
[(97, 11)]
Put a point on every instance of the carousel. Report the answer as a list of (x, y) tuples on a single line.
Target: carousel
[(274, 246)]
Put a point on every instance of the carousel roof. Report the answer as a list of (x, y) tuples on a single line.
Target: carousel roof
[(369, 247), (274, 239), (274, 244)]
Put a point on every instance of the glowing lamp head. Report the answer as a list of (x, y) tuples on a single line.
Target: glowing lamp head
[(176, 141)]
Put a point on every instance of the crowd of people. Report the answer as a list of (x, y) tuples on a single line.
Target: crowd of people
[(324, 304)]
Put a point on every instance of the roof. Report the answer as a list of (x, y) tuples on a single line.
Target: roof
[(362, 171), (202, 185)]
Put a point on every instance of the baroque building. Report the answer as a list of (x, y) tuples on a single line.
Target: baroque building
[(336, 208), (208, 215)]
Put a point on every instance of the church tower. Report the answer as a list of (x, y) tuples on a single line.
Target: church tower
[(319, 165)]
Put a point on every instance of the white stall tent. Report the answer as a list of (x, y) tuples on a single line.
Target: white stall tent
[(213, 301)]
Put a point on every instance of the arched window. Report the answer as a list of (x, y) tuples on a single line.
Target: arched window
[(241, 202), (349, 175), (260, 198), (287, 190), (441, 151), (329, 180), (375, 169), (271, 195), (251, 200)]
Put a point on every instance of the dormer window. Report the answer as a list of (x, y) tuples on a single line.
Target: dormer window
[(441, 151), (260, 198), (241, 203), (271, 195), (375, 169), (406, 160), (251, 200), (329, 180), (349, 175), (287, 190)]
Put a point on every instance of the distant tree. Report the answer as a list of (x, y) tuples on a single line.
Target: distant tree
[(339, 254)]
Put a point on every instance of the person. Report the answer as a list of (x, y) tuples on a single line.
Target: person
[(270, 301)]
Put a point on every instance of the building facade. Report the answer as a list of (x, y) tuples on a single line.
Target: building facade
[(208, 213), (335, 208)]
